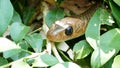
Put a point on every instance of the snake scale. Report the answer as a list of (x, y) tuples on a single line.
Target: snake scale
[(70, 27)]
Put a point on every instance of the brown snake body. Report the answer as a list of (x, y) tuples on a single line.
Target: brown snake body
[(75, 26)]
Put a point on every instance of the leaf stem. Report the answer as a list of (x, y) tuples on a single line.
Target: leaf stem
[(56, 53), (35, 30), (31, 56), (27, 51), (64, 55)]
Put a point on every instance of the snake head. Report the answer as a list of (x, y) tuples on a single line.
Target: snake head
[(66, 29)]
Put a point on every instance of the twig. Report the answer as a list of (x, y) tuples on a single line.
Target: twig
[(56, 53), (65, 55), (31, 56)]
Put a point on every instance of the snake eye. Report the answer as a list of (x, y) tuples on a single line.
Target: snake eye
[(69, 30)]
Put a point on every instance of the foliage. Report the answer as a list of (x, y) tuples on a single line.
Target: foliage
[(53, 15), (21, 47)]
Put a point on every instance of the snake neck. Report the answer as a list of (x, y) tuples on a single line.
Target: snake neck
[(88, 14)]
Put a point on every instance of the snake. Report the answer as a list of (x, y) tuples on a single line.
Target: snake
[(71, 27)]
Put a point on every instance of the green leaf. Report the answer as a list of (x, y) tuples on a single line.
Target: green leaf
[(95, 59), (109, 63), (54, 15), (4, 61), (110, 39), (39, 63), (30, 61), (6, 44), (93, 30), (36, 41), (115, 11), (117, 2), (101, 16), (116, 62), (66, 65), (19, 55), (11, 52), (100, 57), (28, 14), (20, 64), (105, 17), (109, 46), (6, 13), (47, 59), (24, 46), (18, 31), (16, 17), (82, 49)]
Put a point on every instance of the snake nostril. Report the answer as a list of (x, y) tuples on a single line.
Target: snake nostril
[(69, 30)]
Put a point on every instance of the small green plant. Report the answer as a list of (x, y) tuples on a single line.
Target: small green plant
[(22, 48)]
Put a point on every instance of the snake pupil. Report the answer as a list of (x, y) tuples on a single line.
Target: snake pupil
[(69, 30)]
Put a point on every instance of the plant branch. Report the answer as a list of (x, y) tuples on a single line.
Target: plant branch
[(30, 57), (56, 53)]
